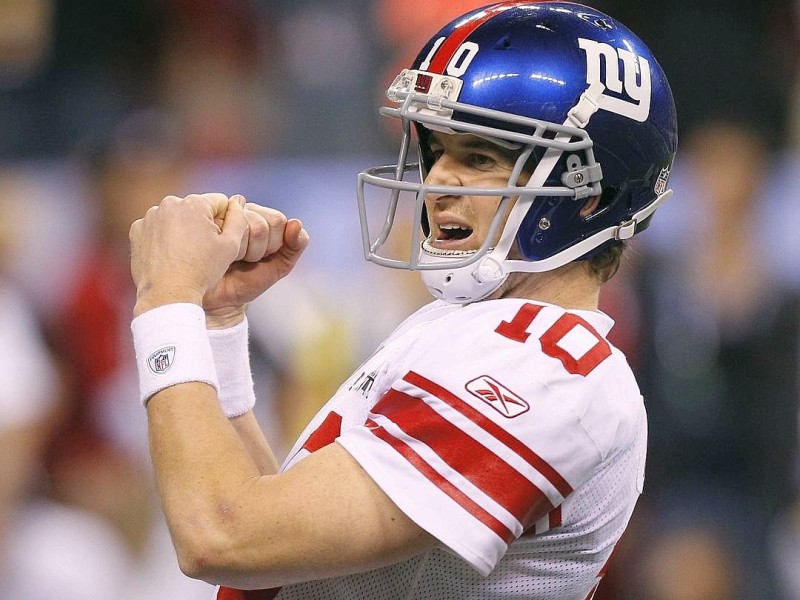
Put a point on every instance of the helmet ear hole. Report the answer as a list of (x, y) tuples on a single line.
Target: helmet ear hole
[(607, 197), (590, 206)]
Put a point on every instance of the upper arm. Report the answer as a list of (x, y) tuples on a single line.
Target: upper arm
[(324, 517)]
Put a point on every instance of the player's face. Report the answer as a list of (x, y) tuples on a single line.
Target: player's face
[(460, 222)]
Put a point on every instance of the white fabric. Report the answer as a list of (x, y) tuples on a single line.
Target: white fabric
[(172, 347), (232, 363), (523, 452)]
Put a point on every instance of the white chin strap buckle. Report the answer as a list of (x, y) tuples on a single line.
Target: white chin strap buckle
[(489, 271), (466, 284), (625, 230)]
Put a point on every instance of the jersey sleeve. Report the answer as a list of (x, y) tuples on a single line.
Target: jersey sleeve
[(480, 442)]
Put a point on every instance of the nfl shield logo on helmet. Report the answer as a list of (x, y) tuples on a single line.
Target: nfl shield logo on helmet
[(161, 360), (498, 396), (661, 183)]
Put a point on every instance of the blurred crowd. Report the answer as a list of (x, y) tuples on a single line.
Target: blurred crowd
[(105, 108)]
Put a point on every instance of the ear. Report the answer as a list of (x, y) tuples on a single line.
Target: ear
[(590, 206)]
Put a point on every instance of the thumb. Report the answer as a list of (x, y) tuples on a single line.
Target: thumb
[(295, 241), (295, 237)]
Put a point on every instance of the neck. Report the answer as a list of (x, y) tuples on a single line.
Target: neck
[(571, 286)]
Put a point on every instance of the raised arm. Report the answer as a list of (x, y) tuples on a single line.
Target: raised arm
[(231, 523)]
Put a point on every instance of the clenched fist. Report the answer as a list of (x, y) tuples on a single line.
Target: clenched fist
[(212, 250)]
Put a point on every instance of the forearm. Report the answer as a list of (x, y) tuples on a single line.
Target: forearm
[(202, 464), (232, 524), (205, 441), (253, 440), (213, 465), (228, 336)]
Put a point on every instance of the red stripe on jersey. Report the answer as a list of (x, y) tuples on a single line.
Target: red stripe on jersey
[(467, 503), (468, 457), (492, 428), (329, 430), (226, 593), (461, 33), (554, 518)]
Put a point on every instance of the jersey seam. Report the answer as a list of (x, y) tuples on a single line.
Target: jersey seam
[(417, 576)]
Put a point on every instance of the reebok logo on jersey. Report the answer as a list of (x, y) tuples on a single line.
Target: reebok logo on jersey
[(498, 396), (161, 360)]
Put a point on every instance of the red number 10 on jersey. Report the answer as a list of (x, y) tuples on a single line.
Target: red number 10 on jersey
[(554, 340)]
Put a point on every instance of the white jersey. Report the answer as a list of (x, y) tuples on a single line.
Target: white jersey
[(510, 430)]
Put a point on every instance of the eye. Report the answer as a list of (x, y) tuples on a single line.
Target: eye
[(482, 161), (436, 153)]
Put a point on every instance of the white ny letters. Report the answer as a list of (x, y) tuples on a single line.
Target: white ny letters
[(636, 83)]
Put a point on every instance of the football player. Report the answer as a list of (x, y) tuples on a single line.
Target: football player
[(494, 445)]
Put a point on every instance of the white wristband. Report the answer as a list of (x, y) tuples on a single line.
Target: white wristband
[(232, 362), (172, 347)]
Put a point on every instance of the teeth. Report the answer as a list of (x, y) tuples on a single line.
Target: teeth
[(427, 247), (453, 227)]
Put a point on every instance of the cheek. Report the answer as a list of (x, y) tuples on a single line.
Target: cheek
[(486, 209)]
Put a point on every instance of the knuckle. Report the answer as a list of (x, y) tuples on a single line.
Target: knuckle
[(277, 218), (258, 228)]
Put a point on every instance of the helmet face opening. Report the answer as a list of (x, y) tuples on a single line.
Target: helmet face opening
[(581, 99)]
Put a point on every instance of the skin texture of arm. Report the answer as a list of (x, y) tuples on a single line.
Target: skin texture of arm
[(234, 521), (232, 525), (252, 437)]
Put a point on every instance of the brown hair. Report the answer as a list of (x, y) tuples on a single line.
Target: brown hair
[(605, 264)]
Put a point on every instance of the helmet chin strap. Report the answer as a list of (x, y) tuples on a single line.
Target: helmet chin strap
[(462, 285), (475, 282)]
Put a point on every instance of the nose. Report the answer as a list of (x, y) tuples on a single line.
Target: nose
[(445, 171)]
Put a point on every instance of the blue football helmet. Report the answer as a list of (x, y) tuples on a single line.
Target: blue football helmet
[(576, 93)]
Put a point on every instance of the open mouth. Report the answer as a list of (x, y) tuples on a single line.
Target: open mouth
[(450, 233), (451, 240)]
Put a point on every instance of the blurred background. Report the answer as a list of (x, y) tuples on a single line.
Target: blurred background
[(107, 107)]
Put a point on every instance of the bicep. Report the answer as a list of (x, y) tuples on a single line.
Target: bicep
[(324, 517)]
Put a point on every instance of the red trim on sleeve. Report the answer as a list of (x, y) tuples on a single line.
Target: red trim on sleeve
[(493, 429), (226, 593), (326, 433), (443, 484), (468, 457)]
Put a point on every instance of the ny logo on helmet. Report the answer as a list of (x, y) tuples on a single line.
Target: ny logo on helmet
[(633, 82)]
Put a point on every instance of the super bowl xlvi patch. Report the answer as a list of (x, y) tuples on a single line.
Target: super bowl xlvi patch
[(161, 360)]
